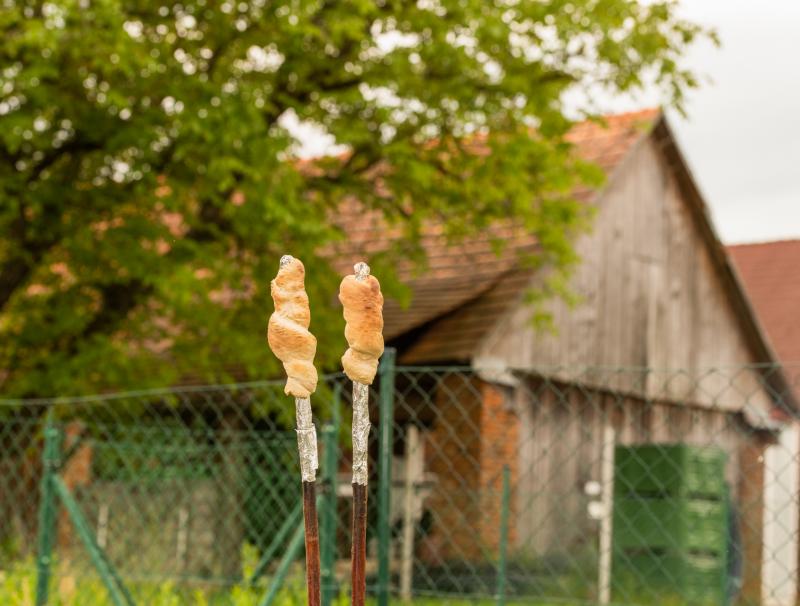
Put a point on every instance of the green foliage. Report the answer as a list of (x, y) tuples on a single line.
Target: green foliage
[(18, 588), (147, 186)]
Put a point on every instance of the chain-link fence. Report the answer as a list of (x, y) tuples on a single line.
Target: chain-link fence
[(553, 486)]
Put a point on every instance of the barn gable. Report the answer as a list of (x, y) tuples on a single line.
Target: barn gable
[(657, 292), (656, 286), (469, 287)]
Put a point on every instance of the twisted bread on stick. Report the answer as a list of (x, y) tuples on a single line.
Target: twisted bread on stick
[(362, 300), (288, 333)]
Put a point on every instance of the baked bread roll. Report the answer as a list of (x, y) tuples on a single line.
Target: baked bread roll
[(363, 312), (288, 333)]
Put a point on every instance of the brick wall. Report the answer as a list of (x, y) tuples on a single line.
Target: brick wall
[(473, 436), (452, 453), (499, 447)]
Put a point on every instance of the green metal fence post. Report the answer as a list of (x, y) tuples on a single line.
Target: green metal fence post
[(385, 472), (336, 407), (290, 555), (503, 547), (330, 436), (295, 517), (47, 509), (116, 589)]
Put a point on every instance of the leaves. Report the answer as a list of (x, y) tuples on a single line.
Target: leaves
[(147, 178)]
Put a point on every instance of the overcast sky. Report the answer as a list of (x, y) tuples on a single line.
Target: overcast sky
[(742, 136)]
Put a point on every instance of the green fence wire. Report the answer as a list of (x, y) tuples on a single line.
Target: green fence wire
[(546, 486)]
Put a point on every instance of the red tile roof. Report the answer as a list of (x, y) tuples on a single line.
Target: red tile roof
[(770, 272), (467, 285), (607, 144)]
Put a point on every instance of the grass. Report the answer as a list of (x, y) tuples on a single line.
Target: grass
[(18, 588)]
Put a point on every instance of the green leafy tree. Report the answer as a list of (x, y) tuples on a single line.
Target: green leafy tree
[(147, 175)]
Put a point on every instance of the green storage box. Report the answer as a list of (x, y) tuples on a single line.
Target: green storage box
[(670, 524), (669, 470), (688, 525)]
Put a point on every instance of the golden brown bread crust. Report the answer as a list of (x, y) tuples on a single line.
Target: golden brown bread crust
[(288, 333), (363, 311)]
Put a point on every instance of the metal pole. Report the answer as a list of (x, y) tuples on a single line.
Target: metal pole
[(328, 519), (503, 548), (607, 521), (47, 508), (386, 372)]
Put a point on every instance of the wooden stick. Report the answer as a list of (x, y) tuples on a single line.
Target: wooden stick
[(360, 433), (312, 543), (358, 552), (292, 343), (358, 575), (307, 447)]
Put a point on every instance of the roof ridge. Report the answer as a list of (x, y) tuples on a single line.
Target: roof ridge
[(653, 110), (764, 243)]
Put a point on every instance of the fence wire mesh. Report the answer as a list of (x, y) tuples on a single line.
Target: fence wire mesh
[(553, 486)]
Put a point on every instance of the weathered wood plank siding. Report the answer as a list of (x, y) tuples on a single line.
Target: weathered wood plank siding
[(651, 297), (561, 439)]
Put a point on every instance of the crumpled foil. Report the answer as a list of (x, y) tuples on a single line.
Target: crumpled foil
[(361, 428), (360, 411), (306, 440)]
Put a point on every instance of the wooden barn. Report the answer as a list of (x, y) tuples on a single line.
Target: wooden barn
[(659, 307)]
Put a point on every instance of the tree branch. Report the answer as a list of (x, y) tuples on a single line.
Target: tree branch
[(119, 299)]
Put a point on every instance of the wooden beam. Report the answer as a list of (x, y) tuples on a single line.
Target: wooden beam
[(751, 516)]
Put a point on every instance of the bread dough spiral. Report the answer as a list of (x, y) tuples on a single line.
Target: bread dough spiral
[(288, 333), (362, 300)]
